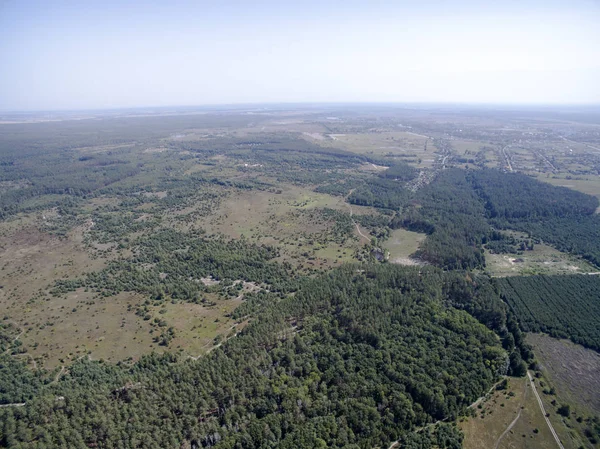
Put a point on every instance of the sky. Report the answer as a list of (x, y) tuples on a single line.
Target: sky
[(69, 55)]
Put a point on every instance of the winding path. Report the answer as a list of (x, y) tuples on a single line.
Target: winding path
[(13, 340), (474, 404), (356, 224), (544, 411), (60, 373), (514, 421)]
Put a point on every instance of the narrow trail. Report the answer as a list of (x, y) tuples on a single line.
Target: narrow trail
[(514, 421), (474, 404), (481, 398), (13, 340), (356, 224), (22, 404), (507, 158), (218, 345), (31, 360), (539, 400), (60, 373)]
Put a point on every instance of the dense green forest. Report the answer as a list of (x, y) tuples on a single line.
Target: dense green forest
[(560, 216), (386, 190), (562, 306), (354, 357), (171, 264), (358, 357), (462, 209), (451, 213)]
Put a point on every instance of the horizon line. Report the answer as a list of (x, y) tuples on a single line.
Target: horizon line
[(299, 104)]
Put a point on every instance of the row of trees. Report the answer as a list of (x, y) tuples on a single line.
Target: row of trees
[(562, 306)]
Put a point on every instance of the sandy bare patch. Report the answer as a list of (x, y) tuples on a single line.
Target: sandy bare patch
[(159, 195), (406, 261), (155, 150), (209, 281), (316, 136)]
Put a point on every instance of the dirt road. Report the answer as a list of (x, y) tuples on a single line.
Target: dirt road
[(544, 411)]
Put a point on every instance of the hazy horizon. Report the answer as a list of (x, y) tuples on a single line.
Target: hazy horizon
[(215, 107), (68, 56)]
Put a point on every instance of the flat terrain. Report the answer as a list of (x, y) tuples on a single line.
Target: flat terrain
[(290, 220), (512, 419), (402, 244), (126, 236), (585, 184), (495, 413), (568, 375), (572, 368), (543, 259)]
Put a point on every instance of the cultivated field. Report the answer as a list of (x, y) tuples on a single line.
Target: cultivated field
[(572, 368)]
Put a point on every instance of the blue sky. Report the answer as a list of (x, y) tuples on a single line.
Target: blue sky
[(92, 54)]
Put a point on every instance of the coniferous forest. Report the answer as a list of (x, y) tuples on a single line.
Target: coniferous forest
[(562, 306), (357, 358), (253, 297)]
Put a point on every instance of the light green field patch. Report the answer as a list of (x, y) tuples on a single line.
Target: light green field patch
[(60, 330), (197, 325), (401, 244), (335, 254), (466, 147), (385, 143), (198, 168), (543, 259), (585, 184)]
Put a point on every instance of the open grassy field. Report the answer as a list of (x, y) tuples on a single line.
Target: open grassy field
[(543, 259), (198, 325), (531, 430), (44, 246), (59, 329), (512, 419), (402, 244), (286, 220), (572, 368), (31, 259), (415, 148), (493, 415), (568, 376)]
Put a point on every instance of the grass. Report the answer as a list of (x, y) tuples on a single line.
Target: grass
[(283, 220), (395, 144), (401, 244), (524, 435), (543, 259), (571, 368), (60, 329), (585, 184), (497, 411), (571, 371), (466, 147), (500, 409), (72, 326), (197, 325)]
